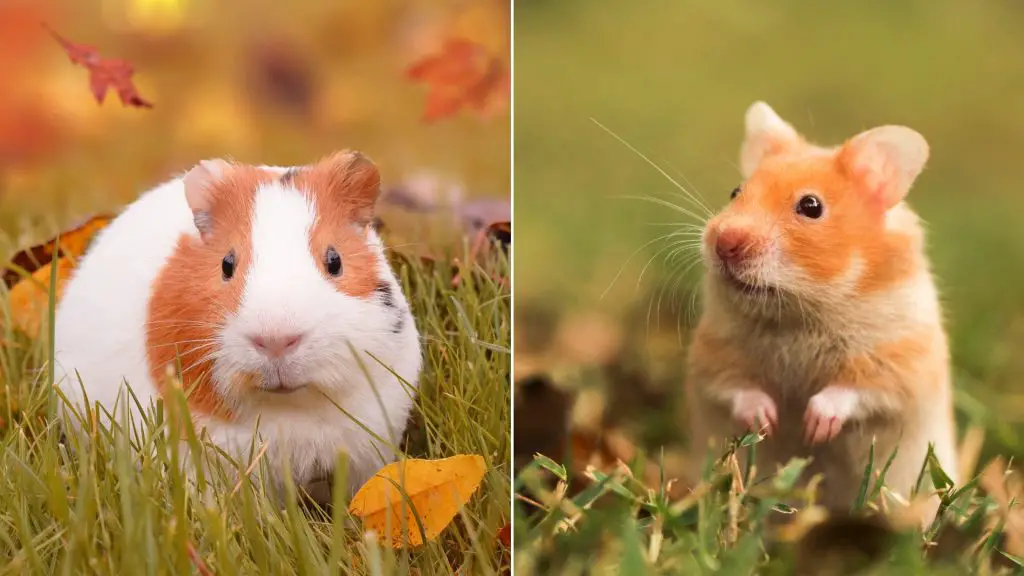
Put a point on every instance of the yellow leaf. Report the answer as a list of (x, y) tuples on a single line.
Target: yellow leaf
[(436, 488), (29, 299)]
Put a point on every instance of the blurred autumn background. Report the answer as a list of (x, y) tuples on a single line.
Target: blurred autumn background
[(674, 80), (421, 87)]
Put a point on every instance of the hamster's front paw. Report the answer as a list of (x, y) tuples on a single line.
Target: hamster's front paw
[(755, 410), (826, 413)]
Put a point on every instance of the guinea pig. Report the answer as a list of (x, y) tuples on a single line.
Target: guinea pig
[(269, 290), (821, 325)]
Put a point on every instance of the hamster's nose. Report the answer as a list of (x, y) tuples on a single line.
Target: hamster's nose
[(275, 345), (731, 245)]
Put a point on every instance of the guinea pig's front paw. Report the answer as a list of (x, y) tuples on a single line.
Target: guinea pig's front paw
[(826, 413), (755, 410)]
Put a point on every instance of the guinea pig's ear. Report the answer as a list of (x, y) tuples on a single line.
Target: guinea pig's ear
[(766, 134), (199, 183), (885, 162), (354, 180)]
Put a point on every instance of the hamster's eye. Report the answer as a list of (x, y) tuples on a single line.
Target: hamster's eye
[(810, 206), (332, 261), (735, 192), (227, 265)]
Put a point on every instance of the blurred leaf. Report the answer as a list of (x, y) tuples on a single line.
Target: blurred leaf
[(464, 74), (104, 73), (940, 479), (790, 473), (551, 466), (29, 297), (73, 242)]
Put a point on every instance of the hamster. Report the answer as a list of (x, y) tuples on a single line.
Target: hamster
[(821, 324), (268, 287)]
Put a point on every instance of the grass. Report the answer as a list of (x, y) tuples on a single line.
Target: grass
[(674, 79), (743, 521), (103, 508)]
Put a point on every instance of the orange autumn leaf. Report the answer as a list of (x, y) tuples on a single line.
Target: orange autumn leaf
[(73, 242), (29, 298), (437, 490), (464, 74), (104, 73)]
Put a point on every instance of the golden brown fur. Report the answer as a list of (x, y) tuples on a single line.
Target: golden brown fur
[(840, 326)]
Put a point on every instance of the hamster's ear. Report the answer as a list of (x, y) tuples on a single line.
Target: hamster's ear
[(199, 183), (354, 180), (766, 134), (885, 161)]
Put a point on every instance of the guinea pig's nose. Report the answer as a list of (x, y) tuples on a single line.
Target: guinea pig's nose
[(276, 345), (731, 244)]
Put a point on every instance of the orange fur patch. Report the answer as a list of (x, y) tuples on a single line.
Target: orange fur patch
[(902, 366), (344, 188), (191, 298)]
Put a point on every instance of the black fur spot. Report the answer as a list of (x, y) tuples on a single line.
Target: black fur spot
[(289, 176), (385, 295)]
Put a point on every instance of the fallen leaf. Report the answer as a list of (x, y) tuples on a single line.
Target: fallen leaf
[(505, 535), (104, 73), (437, 489), (464, 74), (73, 242), (30, 298)]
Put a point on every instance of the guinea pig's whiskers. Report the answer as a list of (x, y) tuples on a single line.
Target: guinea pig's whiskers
[(164, 324), (204, 341), (204, 359)]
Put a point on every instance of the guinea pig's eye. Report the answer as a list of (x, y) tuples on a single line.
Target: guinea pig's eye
[(227, 265), (810, 206), (332, 261), (735, 192)]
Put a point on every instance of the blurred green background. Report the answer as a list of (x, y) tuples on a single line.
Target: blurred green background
[(261, 81), (674, 79)]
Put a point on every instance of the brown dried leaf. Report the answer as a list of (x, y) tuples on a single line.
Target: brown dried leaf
[(73, 243)]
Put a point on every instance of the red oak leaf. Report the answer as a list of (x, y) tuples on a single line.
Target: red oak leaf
[(104, 73), (463, 74)]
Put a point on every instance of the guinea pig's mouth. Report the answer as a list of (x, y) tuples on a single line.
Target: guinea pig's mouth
[(276, 382), (282, 389)]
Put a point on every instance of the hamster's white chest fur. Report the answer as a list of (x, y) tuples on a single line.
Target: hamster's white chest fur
[(104, 316)]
